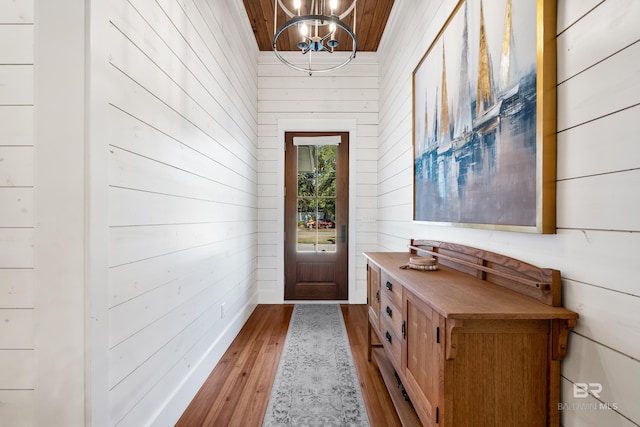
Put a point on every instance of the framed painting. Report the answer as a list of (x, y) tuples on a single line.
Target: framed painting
[(484, 119)]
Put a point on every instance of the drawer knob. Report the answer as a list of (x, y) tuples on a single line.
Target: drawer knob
[(389, 311), (388, 336), (389, 285)]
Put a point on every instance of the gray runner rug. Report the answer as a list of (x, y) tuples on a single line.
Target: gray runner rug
[(316, 383)]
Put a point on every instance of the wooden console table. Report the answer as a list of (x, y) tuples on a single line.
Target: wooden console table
[(476, 343)]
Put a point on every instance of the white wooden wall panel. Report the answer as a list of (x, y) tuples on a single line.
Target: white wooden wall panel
[(16, 213), (587, 412), (58, 91), (595, 247), (285, 94), (267, 177), (138, 415), (129, 281), (580, 101), (17, 87), (182, 199), (337, 78), (361, 118), (134, 171), (599, 202), (208, 118), (208, 163), (16, 329), (17, 408), (582, 46), (16, 12), (579, 256), (202, 314), (242, 75), (203, 58), (168, 209), (569, 12), (591, 362), (16, 125), (228, 65), (365, 166), (17, 372), (394, 131), (16, 44), (16, 288), (365, 156), (16, 165), (136, 381), (597, 321), (132, 389), (394, 162), (16, 207), (16, 248), (131, 244), (143, 311), (312, 93), (300, 81), (587, 143), (403, 50), (200, 158), (302, 105)]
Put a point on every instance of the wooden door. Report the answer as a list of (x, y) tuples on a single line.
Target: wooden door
[(316, 215)]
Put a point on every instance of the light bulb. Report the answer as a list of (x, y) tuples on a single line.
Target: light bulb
[(332, 27), (334, 4), (303, 29), (296, 4)]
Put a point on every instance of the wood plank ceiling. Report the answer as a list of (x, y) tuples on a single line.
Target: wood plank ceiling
[(371, 18)]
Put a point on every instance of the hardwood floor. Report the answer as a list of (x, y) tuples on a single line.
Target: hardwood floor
[(237, 391)]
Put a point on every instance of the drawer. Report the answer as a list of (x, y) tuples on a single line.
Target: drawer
[(391, 313), (392, 343), (392, 289)]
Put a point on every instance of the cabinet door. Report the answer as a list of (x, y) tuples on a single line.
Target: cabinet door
[(422, 357), (373, 291)]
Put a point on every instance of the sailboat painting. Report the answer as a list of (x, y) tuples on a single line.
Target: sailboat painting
[(484, 119)]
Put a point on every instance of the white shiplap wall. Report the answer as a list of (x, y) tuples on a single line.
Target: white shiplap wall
[(178, 105), (598, 172), (289, 100), (16, 213)]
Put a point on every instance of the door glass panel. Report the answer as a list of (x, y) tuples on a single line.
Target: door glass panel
[(316, 198)]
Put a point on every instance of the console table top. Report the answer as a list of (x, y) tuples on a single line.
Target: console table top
[(458, 295)]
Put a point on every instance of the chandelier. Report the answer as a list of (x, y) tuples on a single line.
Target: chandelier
[(318, 29)]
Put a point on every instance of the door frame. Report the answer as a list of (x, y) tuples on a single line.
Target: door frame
[(313, 125)]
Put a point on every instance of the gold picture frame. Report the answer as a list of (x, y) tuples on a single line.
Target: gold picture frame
[(484, 119)]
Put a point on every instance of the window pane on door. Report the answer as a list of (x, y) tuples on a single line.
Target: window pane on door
[(316, 198)]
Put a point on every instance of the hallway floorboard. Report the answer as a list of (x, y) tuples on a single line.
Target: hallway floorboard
[(237, 390)]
